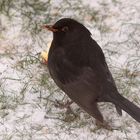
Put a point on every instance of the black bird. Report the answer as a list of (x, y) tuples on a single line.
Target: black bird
[(78, 66)]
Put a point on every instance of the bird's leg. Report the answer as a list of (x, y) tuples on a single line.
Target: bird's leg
[(103, 124), (68, 103), (119, 110), (69, 115), (63, 105), (99, 119), (93, 110)]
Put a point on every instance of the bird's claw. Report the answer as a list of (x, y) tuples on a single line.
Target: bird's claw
[(103, 124), (62, 105)]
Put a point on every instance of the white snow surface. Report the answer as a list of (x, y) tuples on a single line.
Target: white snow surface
[(27, 111)]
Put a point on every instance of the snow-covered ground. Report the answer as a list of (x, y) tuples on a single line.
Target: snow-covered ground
[(28, 95)]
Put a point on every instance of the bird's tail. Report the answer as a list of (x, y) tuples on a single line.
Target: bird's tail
[(126, 105)]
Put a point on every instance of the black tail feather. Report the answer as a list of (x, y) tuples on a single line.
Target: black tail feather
[(126, 105)]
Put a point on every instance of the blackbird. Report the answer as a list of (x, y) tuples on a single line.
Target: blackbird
[(77, 65)]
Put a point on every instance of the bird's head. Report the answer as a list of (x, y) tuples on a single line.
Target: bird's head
[(68, 30)]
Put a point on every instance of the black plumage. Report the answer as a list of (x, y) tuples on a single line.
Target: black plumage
[(78, 66)]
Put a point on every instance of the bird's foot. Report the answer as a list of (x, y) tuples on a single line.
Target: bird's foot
[(62, 105), (69, 115), (103, 124)]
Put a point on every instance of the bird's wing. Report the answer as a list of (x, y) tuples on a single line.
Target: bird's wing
[(81, 72), (99, 66)]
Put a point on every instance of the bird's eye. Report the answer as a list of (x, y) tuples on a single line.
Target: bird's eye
[(65, 29)]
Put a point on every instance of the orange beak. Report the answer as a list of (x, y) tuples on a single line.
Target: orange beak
[(50, 28)]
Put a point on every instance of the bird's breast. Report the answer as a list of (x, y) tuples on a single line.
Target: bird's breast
[(61, 68)]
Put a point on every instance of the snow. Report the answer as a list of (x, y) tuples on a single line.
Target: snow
[(28, 94)]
